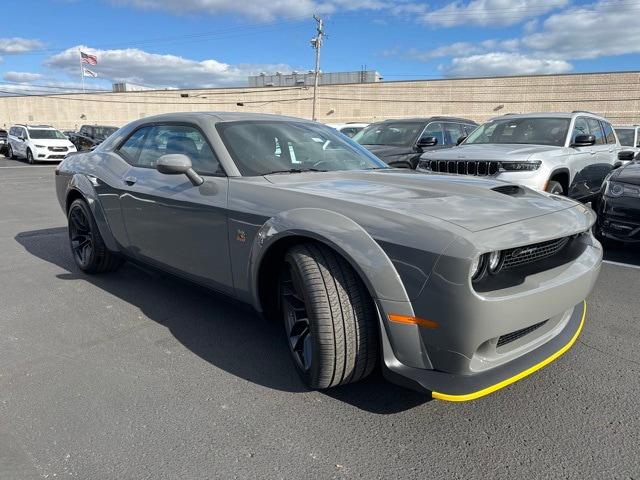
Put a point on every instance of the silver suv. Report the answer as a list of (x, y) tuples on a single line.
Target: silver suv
[(562, 153)]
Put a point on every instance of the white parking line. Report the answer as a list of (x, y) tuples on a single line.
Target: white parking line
[(620, 264)]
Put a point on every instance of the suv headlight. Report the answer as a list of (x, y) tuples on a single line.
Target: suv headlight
[(519, 166), (617, 189)]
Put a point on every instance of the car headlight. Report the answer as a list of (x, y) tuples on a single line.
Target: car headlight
[(40, 146), (477, 267), (519, 166), (495, 262), (487, 262), (617, 189)]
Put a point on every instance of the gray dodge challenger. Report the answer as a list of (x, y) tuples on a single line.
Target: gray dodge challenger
[(454, 285)]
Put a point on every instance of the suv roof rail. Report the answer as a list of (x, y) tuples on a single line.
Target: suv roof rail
[(586, 111)]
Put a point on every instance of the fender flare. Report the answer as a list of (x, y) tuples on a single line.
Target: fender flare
[(339, 232), (558, 170), (84, 185)]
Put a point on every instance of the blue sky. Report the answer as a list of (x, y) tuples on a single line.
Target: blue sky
[(191, 43)]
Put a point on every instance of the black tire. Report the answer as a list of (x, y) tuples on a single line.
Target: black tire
[(10, 153), (87, 247), (329, 317), (30, 158), (555, 187)]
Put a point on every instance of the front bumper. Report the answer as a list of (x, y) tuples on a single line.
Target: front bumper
[(619, 219), (488, 339), (461, 388), (46, 155)]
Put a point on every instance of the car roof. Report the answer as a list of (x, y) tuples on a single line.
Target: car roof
[(218, 117), (428, 119), (549, 115)]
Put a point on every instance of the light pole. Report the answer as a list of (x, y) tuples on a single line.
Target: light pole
[(316, 43)]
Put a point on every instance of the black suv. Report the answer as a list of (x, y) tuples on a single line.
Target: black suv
[(90, 135), (400, 143), (3, 142)]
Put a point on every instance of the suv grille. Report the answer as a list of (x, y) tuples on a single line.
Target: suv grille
[(532, 253), (464, 167), (513, 336)]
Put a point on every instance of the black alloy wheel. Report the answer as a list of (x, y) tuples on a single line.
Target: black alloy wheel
[(81, 236), (296, 319)]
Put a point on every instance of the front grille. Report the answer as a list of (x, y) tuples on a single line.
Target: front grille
[(517, 257), (513, 336), (56, 157), (57, 149), (480, 168)]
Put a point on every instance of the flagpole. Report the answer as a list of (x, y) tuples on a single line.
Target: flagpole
[(81, 70)]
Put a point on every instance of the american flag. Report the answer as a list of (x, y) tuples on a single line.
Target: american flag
[(90, 59)]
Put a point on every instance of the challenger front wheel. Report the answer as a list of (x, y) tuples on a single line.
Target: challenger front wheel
[(329, 317)]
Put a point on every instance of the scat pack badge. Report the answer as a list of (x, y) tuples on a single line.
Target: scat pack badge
[(241, 236)]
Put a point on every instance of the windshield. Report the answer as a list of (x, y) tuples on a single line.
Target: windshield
[(528, 131), (263, 147), (103, 132), (625, 135), (390, 133), (46, 134)]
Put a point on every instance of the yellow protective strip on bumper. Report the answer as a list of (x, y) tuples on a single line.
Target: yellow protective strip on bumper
[(515, 378)]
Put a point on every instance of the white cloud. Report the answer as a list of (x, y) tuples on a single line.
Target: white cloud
[(18, 45), (21, 77), (271, 10), (598, 30), (490, 12), (503, 63), (137, 66)]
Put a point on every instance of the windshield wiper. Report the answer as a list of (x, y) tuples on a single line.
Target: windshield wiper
[(296, 170)]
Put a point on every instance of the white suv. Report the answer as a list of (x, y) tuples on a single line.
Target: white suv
[(38, 143), (562, 153)]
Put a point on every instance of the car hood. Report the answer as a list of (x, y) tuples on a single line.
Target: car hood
[(468, 202), (52, 142), (490, 151), (629, 174), (385, 151)]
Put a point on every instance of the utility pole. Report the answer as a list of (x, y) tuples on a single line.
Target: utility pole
[(316, 43)]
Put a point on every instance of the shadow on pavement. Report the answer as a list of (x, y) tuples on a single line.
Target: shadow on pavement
[(225, 333)]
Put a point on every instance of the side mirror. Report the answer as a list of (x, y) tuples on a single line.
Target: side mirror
[(617, 164), (584, 141), (626, 155), (427, 142), (178, 164), (461, 139)]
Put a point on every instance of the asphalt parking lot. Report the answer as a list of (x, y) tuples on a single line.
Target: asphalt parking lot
[(138, 375)]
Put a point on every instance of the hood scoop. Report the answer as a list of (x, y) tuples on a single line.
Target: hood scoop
[(511, 190)]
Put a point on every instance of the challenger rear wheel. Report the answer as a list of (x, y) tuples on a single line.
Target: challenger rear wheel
[(329, 317), (88, 249)]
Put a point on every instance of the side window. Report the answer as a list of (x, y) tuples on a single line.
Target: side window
[(162, 140), (596, 129), (130, 149), (469, 128), (434, 130), (12, 131), (452, 132), (608, 132), (84, 130), (580, 128)]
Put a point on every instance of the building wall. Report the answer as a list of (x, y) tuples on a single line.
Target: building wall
[(614, 95)]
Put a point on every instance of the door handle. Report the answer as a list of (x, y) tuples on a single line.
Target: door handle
[(130, 180)]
